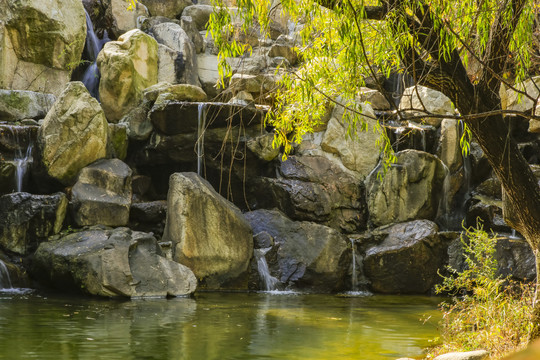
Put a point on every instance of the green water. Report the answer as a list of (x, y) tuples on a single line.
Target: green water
[(215, 326)]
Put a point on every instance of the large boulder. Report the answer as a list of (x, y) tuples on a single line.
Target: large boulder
[(102, 194), (422, 101), (359, 152), (314, 188), (127, 67), (407, 260), (410, 189), (40, 42), (177, 55), (17, 105), (123, 16), (200, 14), (26, 220), (304, 255), (515, 101), (112, 263), (73, 134), (208, 233)]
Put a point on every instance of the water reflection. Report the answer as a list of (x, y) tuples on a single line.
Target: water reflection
[(215, 326)]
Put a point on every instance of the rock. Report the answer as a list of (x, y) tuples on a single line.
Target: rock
[(407, 260), (181, 92), (200, 14), (111, 263), (359, 152), (284, 47), (170, 9), (189, 26), (123, 16), (305, 255), (177, 55), (117, 138), (26, 220), (262, 146), (208, 73), (102, 194), (317, 189), (139, 127), (127, 67), (489, 211), (16, 105), (421, 101), (410, 189), (258, 85), (73, 134), (515, 101), (252, 65), (209, 234), (469, 355), (149, 212), (40, 42), (374, 98)]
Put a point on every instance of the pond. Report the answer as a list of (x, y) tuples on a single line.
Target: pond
[(216, 326)]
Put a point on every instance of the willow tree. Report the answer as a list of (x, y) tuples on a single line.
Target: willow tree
[(436, 42)]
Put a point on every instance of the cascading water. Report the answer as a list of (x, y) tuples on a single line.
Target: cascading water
[(269, 282), (5, 280), (21, 159), (91, 76), (201, 125), (354, 275)]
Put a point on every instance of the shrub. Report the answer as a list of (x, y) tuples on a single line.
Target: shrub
[(486, 312)]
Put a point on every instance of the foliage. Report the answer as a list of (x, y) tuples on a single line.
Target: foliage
[(487, 312), (341, 48)]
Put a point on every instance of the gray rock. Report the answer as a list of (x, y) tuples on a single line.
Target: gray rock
[(314, 188), (112, 263), (177, 55), (16, 105), (150, 212), (305, 255), (102, 194), (189, 26), (407, 260), (170, 9), (420, 100), (469, 355), (200, 14), (117, 141), (411, 189), (26, 220), (208, 233)]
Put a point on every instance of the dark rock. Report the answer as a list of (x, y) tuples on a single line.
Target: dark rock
[(305, 255), (407, 260), (26, 220), (113, 263)]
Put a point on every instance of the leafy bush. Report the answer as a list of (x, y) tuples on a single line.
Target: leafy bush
[(487, 312)]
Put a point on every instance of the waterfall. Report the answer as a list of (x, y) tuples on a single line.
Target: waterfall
[(201, 125), (269, 282), (91, 76), (21, 160), (354, 275), (5, 281)]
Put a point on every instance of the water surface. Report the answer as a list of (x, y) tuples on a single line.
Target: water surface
[(215, 326)]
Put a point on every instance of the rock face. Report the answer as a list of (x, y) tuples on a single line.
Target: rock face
[(170, 9), (177, 55), (407, 260), (314, 188), (304, 255), (102, 194), (420, 100), (127, 67), (112, 263), (209, 234), (123, 18), (17, 105), (40, 42), (360, 152), (73, 134), (411, 189), (512, 100), (26, 220)]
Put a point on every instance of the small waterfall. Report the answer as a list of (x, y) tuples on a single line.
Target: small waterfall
[(354, 275), (201, 125), (5, 281), (91, 76), (269, 282), (21, 160), (443, 212)]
